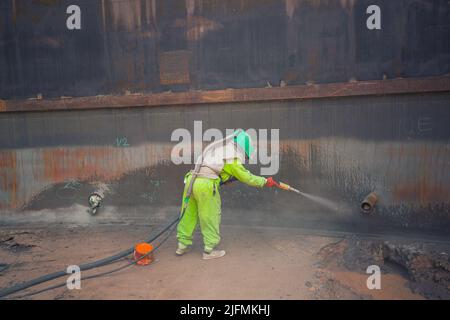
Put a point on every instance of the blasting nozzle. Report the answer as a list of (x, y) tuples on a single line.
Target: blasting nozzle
[(287, 187)]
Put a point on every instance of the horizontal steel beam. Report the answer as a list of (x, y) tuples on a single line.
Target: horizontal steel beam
[(314, 91)]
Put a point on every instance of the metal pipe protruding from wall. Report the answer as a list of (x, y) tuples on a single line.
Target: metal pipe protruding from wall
[(368, 204)]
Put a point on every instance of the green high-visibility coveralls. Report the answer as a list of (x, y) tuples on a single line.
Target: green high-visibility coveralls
[(205, 205)]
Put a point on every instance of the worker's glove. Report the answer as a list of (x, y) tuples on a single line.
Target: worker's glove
[(271, 183)]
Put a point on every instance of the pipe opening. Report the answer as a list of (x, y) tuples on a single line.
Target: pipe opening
[(368, 204)]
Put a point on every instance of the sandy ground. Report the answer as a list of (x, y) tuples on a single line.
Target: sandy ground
[(261, 263)]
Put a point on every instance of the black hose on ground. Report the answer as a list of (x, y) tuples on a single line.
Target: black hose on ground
[(84, 267), (3, 267), (133, 262)]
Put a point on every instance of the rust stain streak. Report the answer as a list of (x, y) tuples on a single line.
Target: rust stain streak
[(63, 163), (8, 180), (422, 191)]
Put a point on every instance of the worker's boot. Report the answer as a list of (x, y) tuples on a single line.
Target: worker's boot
[(182, 249), (214, 254)]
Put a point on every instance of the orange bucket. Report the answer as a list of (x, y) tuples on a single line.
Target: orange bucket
[(140, 250)]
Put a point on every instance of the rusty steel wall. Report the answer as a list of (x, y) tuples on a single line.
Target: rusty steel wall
[(358, 110), (155, 46), (338, 148)]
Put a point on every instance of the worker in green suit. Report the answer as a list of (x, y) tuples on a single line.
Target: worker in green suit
[(221, 164)]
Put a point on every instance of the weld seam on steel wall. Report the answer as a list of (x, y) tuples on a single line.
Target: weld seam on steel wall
[(362, 88)]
